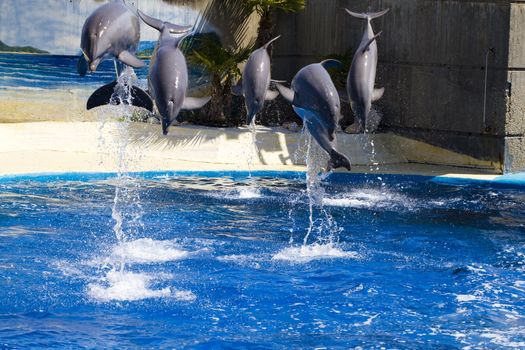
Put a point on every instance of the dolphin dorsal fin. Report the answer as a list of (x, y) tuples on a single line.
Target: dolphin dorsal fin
[(163, 26), (366, 46), (331, 63), (270, 42), (368, 16)]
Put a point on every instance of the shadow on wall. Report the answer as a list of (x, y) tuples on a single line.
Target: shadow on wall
[(235, 24), (272, 147)]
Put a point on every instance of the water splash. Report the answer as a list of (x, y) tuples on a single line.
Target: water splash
[(372, 123), (126, 210), (254, 147), (321, 224)]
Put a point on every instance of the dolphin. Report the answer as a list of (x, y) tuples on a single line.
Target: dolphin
[(361, 77), (113, 29), (256, 78), (315, 99), (168, 73)]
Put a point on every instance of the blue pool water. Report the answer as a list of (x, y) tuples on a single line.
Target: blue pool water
[(216, 261)]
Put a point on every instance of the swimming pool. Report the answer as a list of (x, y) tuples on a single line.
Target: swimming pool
[(211, 260)]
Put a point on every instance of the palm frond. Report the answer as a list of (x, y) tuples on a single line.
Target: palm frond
[(262, 6)]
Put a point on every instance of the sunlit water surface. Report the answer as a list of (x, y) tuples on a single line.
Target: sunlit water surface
[(217, 261)]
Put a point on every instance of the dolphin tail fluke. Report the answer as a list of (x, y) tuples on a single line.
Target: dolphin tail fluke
[(130, 59), (104, 95), (368, 16), (270, 42), (195, 102), (285, 92), (271, 95), (161, 26), (338, 160), (377, 94)]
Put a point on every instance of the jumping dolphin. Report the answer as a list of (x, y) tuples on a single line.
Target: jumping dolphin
[(113, 29), (168, 73), (256, 78), (362, 74), (315, 99)]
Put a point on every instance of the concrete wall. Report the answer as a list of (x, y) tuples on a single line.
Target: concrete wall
[(432, 64)]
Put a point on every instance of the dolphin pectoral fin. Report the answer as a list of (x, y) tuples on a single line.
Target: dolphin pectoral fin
[(195, 102), (377, 94), (130, 59), (103, 96), (318, 121), (82, 66), (366, 46), (237, 89), (287, 93), (331, 63), (271, 95)]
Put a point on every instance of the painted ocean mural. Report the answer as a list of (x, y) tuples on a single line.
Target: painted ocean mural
[(40, 47), (38, 71)]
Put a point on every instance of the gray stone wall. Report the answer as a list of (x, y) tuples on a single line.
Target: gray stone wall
[(432, 64)]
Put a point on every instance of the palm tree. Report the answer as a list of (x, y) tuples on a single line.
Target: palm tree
[(265, 9), (222, 64)]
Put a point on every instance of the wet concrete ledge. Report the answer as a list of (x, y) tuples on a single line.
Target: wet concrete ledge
[(61, 147)]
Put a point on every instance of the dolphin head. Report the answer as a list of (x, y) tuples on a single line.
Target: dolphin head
[(254, 106), (169, 114), (94, 44), (100, 30)]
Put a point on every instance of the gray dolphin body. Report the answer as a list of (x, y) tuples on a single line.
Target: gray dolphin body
[(361, 78), (256, 78), (111, 30), (168, 74), (315, 99)]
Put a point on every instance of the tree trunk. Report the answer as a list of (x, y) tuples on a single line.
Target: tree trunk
[(212, 113)]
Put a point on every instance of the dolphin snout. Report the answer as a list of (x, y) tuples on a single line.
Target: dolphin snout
[(93, 65)]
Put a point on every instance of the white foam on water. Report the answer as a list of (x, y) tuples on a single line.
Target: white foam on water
[(130, 286), (307, 253), (234, 258), (369, 198), (248, 193), (240, 193), (466, 297), (368, 321), (242, 259), (501, 339), (147, 250)]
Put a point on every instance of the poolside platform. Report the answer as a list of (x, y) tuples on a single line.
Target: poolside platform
[(58, 147)]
